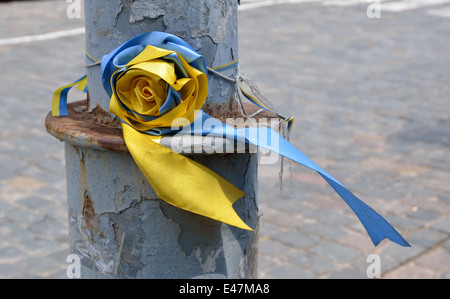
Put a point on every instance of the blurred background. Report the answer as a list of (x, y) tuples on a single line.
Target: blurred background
[(367, 83)]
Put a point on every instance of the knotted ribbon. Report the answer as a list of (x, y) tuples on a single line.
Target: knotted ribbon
[(157, 79)]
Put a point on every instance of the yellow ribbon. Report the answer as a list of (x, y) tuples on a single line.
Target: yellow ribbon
[(178, 180), (183, 182)]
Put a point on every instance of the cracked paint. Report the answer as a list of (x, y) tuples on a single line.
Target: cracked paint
[(142, 9), (141, 236)]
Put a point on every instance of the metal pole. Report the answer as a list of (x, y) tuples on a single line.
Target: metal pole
[(117, 224), (209, 26)]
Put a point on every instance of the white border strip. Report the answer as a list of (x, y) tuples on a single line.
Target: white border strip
[(397, 6), (251, 4), (256, 4), (41, 37)]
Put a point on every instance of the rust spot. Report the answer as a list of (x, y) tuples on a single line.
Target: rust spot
[(91, 220), (116, 232), (87, 129), (103, 118), (83, 178), (230, 109), (88, 212)]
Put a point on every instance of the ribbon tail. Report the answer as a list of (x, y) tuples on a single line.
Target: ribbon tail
[(376, 226), (183, 182)]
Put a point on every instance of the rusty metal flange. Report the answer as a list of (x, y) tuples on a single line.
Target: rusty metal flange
[(97, 130), (82, 128)]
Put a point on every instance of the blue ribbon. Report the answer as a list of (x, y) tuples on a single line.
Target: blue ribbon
[(376, 226)]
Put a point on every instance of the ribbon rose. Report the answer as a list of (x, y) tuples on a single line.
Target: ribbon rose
[(155, 80)]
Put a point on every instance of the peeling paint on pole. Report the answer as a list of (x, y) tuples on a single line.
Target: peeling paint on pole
[(209, 26), (121, 229)]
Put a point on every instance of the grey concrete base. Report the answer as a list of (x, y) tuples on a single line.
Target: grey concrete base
[(121, 229)]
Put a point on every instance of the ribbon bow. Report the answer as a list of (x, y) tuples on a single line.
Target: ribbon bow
[(157, 79)]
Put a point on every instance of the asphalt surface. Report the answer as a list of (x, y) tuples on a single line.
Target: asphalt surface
[(370, 97)]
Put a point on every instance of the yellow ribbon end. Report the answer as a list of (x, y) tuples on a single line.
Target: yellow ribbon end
[(183, 182)]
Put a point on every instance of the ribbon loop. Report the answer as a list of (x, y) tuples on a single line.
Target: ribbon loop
[(59, 102)]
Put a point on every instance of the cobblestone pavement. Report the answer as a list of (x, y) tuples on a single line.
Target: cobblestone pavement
[(370, 98)]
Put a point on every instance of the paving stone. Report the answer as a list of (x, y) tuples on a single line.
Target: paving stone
[(356, 240), (437, 260), (429, 202), (445, 275), (290, 205), (331, 217), (296, 239), (279, 218), (446, 246), (426, 238), (442, 225), (290, 272), (422, 215), (61, 255), (272, 248), (41, 265), (24, 183), (312, 264), (264, 263), (29, 276), (15, 233), (322, 230), (402, 222), (5, 208), (34, 202), (400, 254), (268, 229), (59, 275), (388, 264), (444, 198), (54, 193), (9, 254), (410, 271), (348, 274), (51, 229), (11, 165), (335, 252), (23, 216), (8, 271), (40, 247)]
